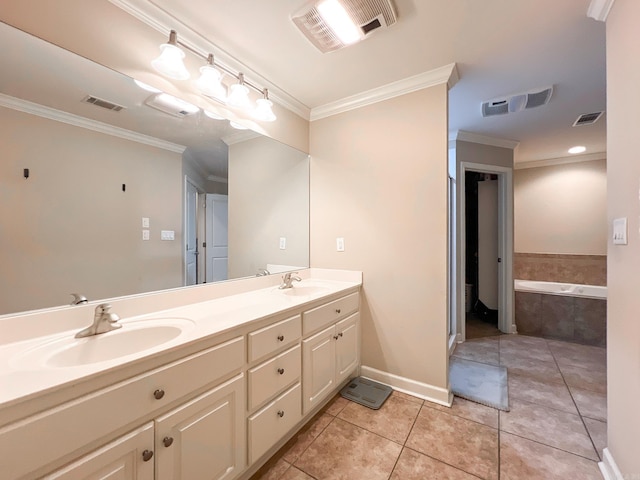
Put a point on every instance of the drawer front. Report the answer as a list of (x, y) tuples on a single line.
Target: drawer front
[(272, 338), (61, 430), (272, 422), (329, 313), (272, 376)]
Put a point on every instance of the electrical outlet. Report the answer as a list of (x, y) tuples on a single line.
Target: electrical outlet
[(145, 222), (145, 234), (283, 243), (340, 244)]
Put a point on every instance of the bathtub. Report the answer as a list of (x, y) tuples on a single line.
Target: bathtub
[(565, 289)]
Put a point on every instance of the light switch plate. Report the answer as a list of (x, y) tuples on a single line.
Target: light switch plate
[(283, 243), (167, 235), (620, 231), (340, 244), (145, 222), (145, 234)]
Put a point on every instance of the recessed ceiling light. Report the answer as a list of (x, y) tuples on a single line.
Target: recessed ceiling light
[(577, 149)]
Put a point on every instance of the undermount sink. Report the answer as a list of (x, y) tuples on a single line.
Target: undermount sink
[(304, 290), (133, 337)]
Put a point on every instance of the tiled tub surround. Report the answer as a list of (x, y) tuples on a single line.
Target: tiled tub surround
[(562, 317), (580, 269), (556, 428), (109, 405)]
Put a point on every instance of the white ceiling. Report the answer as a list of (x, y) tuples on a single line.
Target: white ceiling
[(501, 47)]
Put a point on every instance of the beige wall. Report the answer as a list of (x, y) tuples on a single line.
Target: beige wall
[(379, 179), (623, 174), (561, 209), (69, 227), (485, 154), (268, 199)]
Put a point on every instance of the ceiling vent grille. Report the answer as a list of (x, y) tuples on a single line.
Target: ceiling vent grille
[(99, 102), (587, 119), (517, 102), (369, 15)]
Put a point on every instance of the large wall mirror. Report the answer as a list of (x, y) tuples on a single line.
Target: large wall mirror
[(107, 191)]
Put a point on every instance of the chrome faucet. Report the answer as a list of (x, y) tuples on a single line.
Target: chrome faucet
[(263, 272), (103, 321), (287, 278)]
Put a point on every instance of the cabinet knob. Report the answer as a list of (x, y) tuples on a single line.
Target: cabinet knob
[(158, 394), (281, 413), (147, 455), (340, 334), (281, 338), (335, 337), (281, 371), (167, 441), (338, 310)]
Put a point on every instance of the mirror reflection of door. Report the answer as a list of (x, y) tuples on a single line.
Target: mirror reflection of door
[(191, 233), (217, 251)]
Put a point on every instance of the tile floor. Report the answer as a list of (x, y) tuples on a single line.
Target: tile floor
[(555, 430)]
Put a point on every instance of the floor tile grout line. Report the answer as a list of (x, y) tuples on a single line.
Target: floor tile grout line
[(442, 461), (465, 418), (551, 446), (593, 444)]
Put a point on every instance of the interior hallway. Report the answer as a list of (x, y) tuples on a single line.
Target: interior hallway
[(555, 430)]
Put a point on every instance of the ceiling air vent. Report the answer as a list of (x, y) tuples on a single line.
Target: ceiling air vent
[(369, 16), (99, 102), (517, 102), (587, 119)]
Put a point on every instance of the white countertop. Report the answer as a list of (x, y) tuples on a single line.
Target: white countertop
[(24, 375)]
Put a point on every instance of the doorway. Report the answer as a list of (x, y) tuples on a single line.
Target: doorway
[(500, 261)]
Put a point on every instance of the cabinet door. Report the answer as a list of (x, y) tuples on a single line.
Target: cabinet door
[(347, 347), (121, 459), (203, 438), (318, 367)]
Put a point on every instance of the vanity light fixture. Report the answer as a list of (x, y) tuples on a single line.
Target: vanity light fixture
[(577, 149), (263, 111), (210, 81), (170, 63)]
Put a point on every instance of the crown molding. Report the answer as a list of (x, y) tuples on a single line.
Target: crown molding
[(464, 136), (163, 22), (599, 9), (89, 124), (215, 178), (241, 136), (447, 74), (549, 162)]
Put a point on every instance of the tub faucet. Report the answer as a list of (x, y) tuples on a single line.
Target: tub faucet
[(287, 278), (79, 299), (103, 321)]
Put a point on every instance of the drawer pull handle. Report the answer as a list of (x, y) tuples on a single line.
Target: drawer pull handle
[(147, 455), (281, 413), (281, 371), (338, 310), (158, 394), (167, 441), (281, 338)]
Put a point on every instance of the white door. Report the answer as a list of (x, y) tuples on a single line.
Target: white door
[(191, 234), (217, 252), (488, 243)]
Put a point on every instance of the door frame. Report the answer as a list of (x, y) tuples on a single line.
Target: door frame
[(506, 323), (185, 221)]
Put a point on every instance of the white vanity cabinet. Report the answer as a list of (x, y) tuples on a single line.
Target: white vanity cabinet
[(129, 457), (203, 438), (331, 355)]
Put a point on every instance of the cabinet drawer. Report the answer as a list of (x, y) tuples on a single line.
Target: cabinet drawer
[(270, 377), (61, 430), (272, 422), (329, 313), (270, 339)]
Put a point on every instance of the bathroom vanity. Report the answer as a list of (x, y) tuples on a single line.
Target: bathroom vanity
[(205, 389)]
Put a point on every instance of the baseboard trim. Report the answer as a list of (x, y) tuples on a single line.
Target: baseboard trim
[(608, 467), (441, 396)]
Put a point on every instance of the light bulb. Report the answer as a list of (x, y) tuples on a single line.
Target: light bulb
[(263, 111), (577, 149), (239, 96), (210, 83), (170, 62)]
